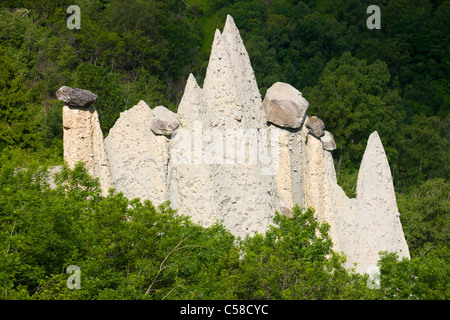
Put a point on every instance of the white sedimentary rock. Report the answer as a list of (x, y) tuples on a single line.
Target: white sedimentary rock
[(137, 156), (83, 141), (363, 226), (217, 170), (219, 159), (377, 206)]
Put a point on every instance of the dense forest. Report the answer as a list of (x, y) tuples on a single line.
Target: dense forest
[(357, 80)]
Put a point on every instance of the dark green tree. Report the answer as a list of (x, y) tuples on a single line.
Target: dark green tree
[(425, 149), (424, 278), (353, 99), (425, 216), (18, 117), (294, 260)]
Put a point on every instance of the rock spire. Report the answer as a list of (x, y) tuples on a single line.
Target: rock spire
[(226, 156), (83, 138)]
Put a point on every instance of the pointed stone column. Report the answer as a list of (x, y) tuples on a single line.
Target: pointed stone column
[(377, 206), (83, 138), (360, 227), (225, 130)]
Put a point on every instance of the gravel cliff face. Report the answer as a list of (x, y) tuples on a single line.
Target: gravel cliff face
[(225, 156)]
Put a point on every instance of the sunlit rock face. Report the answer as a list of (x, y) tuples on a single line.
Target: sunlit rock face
[(226, 156)]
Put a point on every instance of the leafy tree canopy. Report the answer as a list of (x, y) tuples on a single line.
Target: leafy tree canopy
[(393, 80)]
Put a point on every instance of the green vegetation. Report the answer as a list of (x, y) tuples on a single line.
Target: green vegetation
[(127, 249), (393, 80)]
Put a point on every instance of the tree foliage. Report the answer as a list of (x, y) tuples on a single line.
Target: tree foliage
[(294, 260), (126, 249), (18, 117), (353, 100), (425, 216), (393, 80), (129, 249)]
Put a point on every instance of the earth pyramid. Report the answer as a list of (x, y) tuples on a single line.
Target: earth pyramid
[(228, 155)]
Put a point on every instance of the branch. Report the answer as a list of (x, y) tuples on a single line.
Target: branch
[(10, 235), (170, 292), (335, 92), (161, 267)]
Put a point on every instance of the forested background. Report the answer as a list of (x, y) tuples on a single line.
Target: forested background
[(394, 80)]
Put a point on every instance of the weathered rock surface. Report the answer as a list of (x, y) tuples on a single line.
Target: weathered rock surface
[(219, 123), (51, 175), (315, 126), (83, 141), (230, 91), (164, 121), (363, 226), (328, 141), (285, 106), (75, 97), (289, 175), (137, 156), (218, 159), (286, 212), (381, 228)]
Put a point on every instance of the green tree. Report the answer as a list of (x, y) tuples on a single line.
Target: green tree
[(425, 215), (425, 149), (126, 249), (353, 99), (18, 117), (45, 8), (294, 260), (424, 278), (111, 98)]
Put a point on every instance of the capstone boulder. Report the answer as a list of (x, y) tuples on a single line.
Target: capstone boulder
[(328, 141), (285, 106), (75, 97)]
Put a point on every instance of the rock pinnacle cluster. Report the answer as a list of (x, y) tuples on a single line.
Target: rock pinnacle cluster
[(228, 155)]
